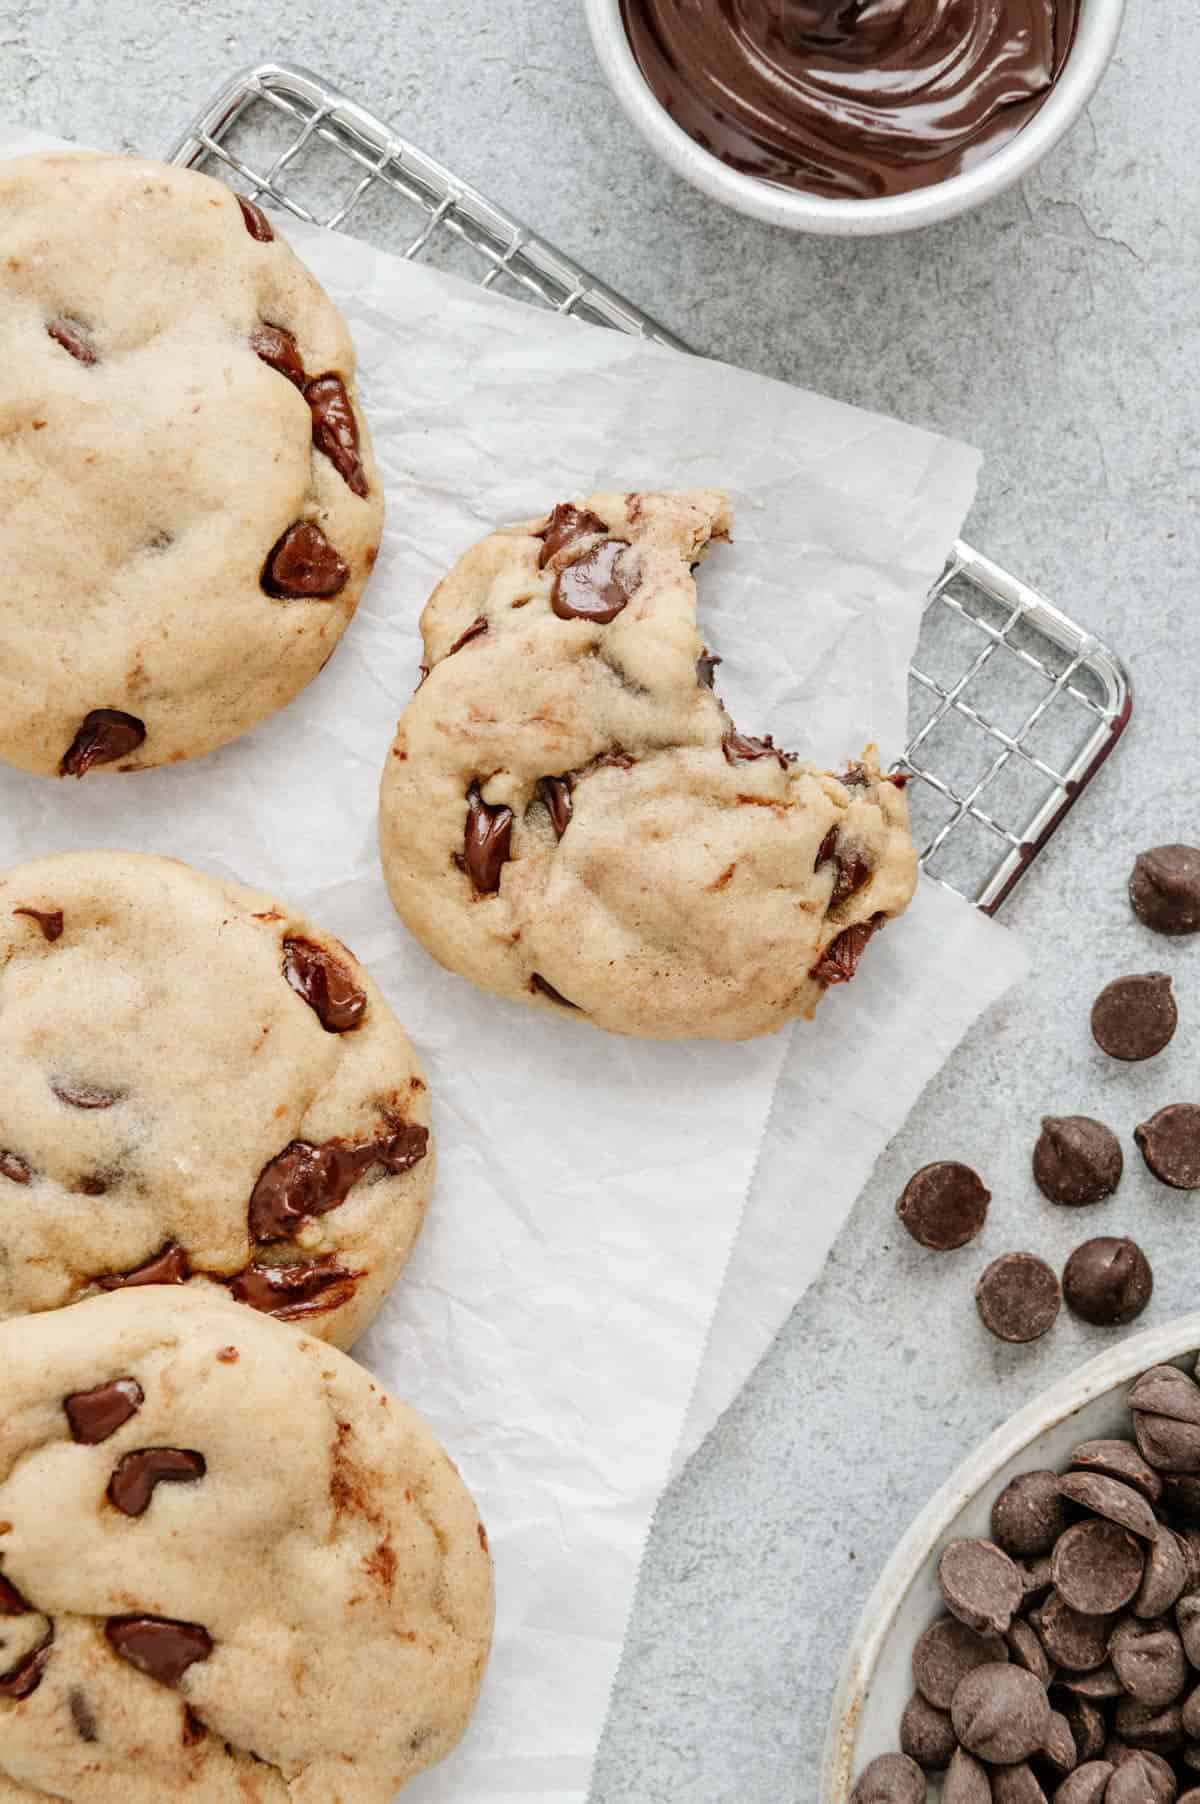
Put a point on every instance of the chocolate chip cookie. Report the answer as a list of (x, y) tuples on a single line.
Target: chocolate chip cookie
[(197, 1086), (191, 504), (232, 1568), (569, 817)]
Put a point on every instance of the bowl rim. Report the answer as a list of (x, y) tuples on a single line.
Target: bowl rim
[(1110, 1369), (1096, 38)]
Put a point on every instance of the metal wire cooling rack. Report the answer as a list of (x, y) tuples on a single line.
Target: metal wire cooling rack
[(1013, 707)]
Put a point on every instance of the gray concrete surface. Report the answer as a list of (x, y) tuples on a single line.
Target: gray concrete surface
[(1059, 330)]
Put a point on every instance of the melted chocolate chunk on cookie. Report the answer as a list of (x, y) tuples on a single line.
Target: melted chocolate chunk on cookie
[(741, 748), (335, 429), (594, 587), (556, 794), (839, 961), (25, 1678), (305, 1180), (826, 849), (156, 1645), (14, 1168), (84, 1096), (290, 1292), (170, 1266), (11, 1601), (133, 1484), (96, 1414), (194, 1730), (852, 872), (568, 524), (73, 337), (325, 984), (278, 348), (1170, 1143), (257, 223), (486, 841), (50, 921), (706, 668), (303, 566), (476, 630), (104, 736), (538, 982), (1165, 889), (81, 1715)]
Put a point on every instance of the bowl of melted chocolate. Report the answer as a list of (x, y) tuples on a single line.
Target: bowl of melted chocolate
[(854, 116)]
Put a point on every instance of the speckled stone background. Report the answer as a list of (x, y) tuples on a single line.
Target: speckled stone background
[(1059, 329)]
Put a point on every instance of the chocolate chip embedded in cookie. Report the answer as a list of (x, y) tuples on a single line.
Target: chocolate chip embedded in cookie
[(570, 817), (198, 422), (231, 1083)]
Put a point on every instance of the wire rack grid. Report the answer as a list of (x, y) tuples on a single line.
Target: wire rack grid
[(1013, 706)]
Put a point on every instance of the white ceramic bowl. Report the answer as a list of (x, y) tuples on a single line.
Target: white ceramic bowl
[(876, 1679), (1099, 26)]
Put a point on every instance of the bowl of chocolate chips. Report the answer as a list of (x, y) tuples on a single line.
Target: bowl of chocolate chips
[(1035, 1638), (853, 117)]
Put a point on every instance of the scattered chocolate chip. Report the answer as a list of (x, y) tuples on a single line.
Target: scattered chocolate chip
[(170, 1266), (1077, 1160), (132, 1485), (257, 223), (325, 984), (1168, 1445), (944, 1205), (278, 348), (1165, 1578), (980, 1584), (104, 736), (1073, 1640), (11, 1601), (96, 1414), (1097, 1568), (14, 1168), (927, 1735), (1001, 1714), (49, 920), (892, 1779), (741, 748), (595, 587), (81, 1714), (157, 1646), (1108, 1281), (290, 1292), (84, 1096), (1027, 1651), (538, 982), (23, 1679), (946, 1653), (1165, 889), (1109, 1498), (966, 1781), (1170, 1143), (1029, 1514), (1016, 1785), (1149, 1661), (1166, 1391), (1018, 1297), (1120, 1460), (839, 961), (1086, 1785), (566, 526), (305, 1180), (303, 565), (486, 841), (335, 429), (706, 668), (73, 337), (555, 793), (1134, 1017)]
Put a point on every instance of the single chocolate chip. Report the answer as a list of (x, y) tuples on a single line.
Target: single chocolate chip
[(1165, 889), (1134, 1017), (73, 337), (96, 1414), (1029, 1514), (1072, 1640), (556, 794), (1192, 1794), (303, 565), (132, 1485), (741, 748), (892, 1779), (1170, 1143), (1141, 1778), (1166, 1575), (595, 587), (1166, 1391), (257, 223), (1149, 1661), (538, 983), (170, 1266), (706, 668), (566, 526), (1077, 1160), (1169, 1446), (14, 1168), (1109, 1498), (839, 961), (1016, 1785), (486, 841), (1187, 1621), (157, 1646), (927, 1735), (946, 1653), (944, 1206), (104, 736), (1088, 1727), (81, 1714), (1120, 1460), (980, 1584), (1027, 1651), (291, 1292), (1018, 1297), (1097, 1567), (84, 1096), (1108, 1281), (325, 984), (476, 630), (335, 429), (1098, 1685), (49, 920), (23, 1679), (1086, 1785), (966, 1781), (278, 348), (1001, 1714), (11, 1601), (305, 1180), (1144, 1727)]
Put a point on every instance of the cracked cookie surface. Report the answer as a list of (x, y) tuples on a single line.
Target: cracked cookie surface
[(192, 507), (289, 1602), (570, 818), (198, 1087)]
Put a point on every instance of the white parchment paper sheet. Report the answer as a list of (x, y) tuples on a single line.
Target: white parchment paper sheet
[(552, 1322)]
